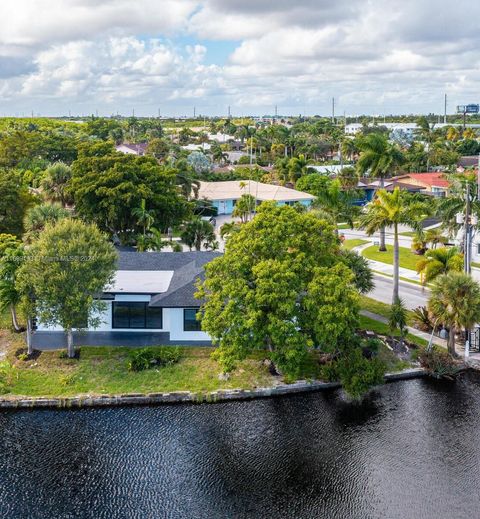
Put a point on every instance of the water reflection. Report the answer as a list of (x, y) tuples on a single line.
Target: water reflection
[(408, 451)]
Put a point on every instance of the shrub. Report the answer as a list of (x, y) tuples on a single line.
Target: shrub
[(439, 363), (147, 358), (358, 374), (422, 319), (7, 373)]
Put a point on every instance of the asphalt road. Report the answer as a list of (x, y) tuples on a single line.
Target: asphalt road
[(411, 294)]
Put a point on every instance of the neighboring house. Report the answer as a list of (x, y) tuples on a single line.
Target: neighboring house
[(369, 188), (150, 302), (204, 146), (132, 149), (468, 161), (224, 195), (431, 183)]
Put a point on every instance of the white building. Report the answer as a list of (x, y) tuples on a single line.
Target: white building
[(151, 302)]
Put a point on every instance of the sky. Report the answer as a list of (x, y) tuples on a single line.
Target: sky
[(169, 56)]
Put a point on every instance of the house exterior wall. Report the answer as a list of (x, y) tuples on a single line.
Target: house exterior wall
[(177, 333), (227, 206), (172, 321)]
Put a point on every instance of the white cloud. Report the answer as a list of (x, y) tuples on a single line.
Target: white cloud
[(367, 53)]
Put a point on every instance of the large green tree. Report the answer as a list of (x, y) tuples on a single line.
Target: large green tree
[(281, 286), (107, 187), (38, 216), (65, 270), (11, 256)]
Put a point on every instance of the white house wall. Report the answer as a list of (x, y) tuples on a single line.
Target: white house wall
[(177, 333), (172, 320)]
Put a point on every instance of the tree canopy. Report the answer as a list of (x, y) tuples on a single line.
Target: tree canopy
[(281, 286), (108, 187)]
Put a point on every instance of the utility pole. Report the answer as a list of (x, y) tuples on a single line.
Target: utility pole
[(467, 231), (445, 110), (333, 110)]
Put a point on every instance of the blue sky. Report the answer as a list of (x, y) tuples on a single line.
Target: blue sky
[(373, 56)]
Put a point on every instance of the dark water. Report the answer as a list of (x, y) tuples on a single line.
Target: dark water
[(410, 451)]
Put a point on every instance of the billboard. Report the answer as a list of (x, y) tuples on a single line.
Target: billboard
[(468, 109)]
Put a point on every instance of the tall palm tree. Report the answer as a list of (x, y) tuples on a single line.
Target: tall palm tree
[(379, 158), (439, 261), (455, 301), (38, 216), (427, 134), (392, 209), (144, 217)]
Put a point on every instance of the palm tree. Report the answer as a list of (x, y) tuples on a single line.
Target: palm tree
[(55, 183), (435, 236), (455, 301), (439, 261), (379, 158), (392, 209), (427, 134), (297, 167), (337, 204), (144, 217), (198, 232), (453, 134), (37, 217)]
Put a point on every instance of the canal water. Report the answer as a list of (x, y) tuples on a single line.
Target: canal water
[(411, 450)]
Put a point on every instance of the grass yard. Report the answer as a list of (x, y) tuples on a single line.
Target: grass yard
[(407, 233), (383, 309), (408, 259), (354, 242), (103, 370), (376, 326)]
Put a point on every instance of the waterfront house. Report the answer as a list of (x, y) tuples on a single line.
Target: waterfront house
[(151, 302), (224, 195)]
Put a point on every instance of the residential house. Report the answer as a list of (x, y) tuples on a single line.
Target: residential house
[(435, 183), (151, 302), (132, 149), (224, 195)]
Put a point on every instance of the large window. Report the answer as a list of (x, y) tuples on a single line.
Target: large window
[(135, 315), (190, 322)]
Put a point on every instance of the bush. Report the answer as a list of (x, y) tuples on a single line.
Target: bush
[(439, 363), (7, 373), (147, 358), (358, 374)]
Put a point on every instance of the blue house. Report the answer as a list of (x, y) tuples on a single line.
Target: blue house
[(224, 195), (151, 302)]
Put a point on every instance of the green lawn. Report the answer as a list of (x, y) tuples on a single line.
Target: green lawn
[(354, 242), (343, 226), (408, 259), (407, 233), (376, 326), (383, 309)]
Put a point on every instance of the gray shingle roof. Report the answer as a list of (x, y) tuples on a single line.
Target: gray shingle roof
[(187, 267)]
